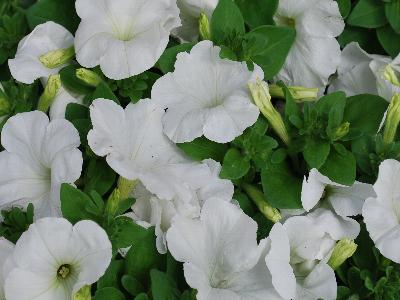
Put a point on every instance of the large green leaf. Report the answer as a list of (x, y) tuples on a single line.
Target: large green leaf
[(392, 11), (316, 152), (202, 148), (368, 14), (163, 287), (235, 165), (258, 12), (268, 46), (389, 39)]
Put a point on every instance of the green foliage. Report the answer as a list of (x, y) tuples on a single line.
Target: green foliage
[(202, 148), (235, 165), (258, 12), (368, 14), (16, 221), (167, 60)]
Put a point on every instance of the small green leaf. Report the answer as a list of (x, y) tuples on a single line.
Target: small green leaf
[(98, 176), (168, 58), (268, 46), (340, 166), (142, 296), (104, 91), (235, 165), (112, 275), (202, 148), (282, 188), (163, 287), (316, 152), (226, 21), (109, 293), (132, 285), (368, 14), (389, 39), (392, 11), (258, 12)]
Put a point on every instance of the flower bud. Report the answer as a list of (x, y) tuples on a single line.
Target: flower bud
[(262, 98), (50, 91), (390, 75), (119, 194), (299, 93), (265, 208), (56, 58), (340, 131), (89, 77), (392, 120), (343, 250), (83, 294), (204, 27)]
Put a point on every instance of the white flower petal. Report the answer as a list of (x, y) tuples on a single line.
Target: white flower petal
[(6, 249), (60, 103), (313, 189)]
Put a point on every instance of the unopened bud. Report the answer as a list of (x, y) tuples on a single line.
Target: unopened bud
[(56, 58), (299, 93), (50, 91), (89, 77), (262, 98), (392, 120), (343, 250), (204, 27), (341, 131), (119, 194), (83, 294)]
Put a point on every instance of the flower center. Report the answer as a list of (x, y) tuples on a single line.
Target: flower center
[(391, 75), (64, 271), (284, 21)]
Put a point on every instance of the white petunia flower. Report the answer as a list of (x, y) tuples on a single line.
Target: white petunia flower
[(53, 260), (382, 213), (6, 249), (363, 73), (124, 37), (345, 201), (61, 101), (150, 210), (297, 255), (222, 259), (39, 156), (136, 148), (315, 54), (206, 95), (190, 13), (26, 67)]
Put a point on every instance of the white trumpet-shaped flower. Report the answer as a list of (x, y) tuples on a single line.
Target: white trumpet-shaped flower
[(190, 11), (124, 37), (315, 54), (53, 260), (6, 249), (222, 259), (150, 210), (382, 213), (297, 255), (26, 67), (345, 201), (206, 95), (39, 156), (363, 73), (136, 148)]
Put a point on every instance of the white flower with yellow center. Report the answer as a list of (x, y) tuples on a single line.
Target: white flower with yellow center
[(124, 37), (39, 156), (54, 260), (206, 95), (315, 54)]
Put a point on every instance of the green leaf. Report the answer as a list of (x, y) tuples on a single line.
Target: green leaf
[(365, 112), (367, 41), (141, 296), (104, 91), (202, 148), (167, 60), (73, 83), (344, 7), (76, 111), (61, 12), (74, 204), (112, 275), (340, 166), (368, 14), (98, 176), (268, 46), (389, 39), (235, 165), (163, 287), (282, 188), (316, 152), (132, 285), (226, 21), (258, 12), (109, 293), (392, 11)]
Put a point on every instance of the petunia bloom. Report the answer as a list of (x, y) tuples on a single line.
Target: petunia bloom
[(222, 259), (26, 67), (39, 156), (363, 73), (297, 255), (150, 210), (206, 95), (54, 260), (190, 11), (6, 249), (381, 213), (61, 101), (315, 54), (124, 37), (136, 148)]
